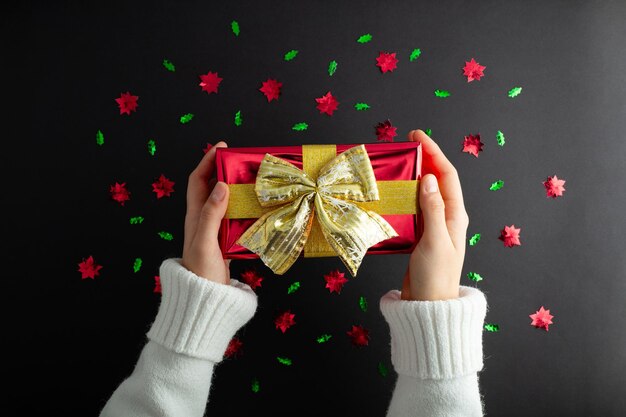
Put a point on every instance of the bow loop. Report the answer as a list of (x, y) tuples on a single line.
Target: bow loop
[(279, 236)]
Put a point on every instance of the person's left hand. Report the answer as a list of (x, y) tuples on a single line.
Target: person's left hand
[(207, 200)]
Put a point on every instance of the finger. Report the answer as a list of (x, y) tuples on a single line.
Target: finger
[(198, 189), (433, 210), (212, 214), (449, 185)]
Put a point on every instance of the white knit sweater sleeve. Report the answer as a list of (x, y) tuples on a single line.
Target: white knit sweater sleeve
[(194, 324), (436, 349)]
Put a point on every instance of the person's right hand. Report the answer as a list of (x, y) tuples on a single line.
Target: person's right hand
[(434, 271)]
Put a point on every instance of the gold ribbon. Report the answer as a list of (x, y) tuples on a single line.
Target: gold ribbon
[(329, 188)]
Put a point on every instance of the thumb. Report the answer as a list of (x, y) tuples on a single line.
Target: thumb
[(213, 212), (433, 209)]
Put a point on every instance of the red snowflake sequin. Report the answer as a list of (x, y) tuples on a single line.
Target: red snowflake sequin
[(510, 236), (385, 131), (473, 70), (554, 187), (285, 320), (541, 319), (359, 336), (163, 187), (210, 82), (271, 89), (119, 193), (335, 281), (234, 348), (386, 61), (327, 104), (252, 278), (472, 144), (88, 268), (127, 103)]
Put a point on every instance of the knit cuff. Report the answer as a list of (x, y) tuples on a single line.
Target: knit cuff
[(198, 317), (436, 339)]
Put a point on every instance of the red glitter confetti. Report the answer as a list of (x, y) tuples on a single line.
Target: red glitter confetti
[(234, 348), (163, 187), (541, 319), (473, 70), (554, 187), (510, 236), (252, 278), (127, 103), (335, 281), (157, 284), (88, 268), (285, 320), (386, 61), (359, 336), (327, 104), (472, 144), (210, 82), (119, 193), (271, 89), (385, 131)]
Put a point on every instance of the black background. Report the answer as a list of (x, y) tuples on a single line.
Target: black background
[(67, 62)]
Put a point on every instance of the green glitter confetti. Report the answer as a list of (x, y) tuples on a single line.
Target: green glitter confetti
[(492, 327), (293, 287), (100, 138), (500, 138), (256, 386), (284, 361), (332, 67), (186, 118), (364, 38), (496, 185), (428, 132), (442, 93), (363, 303), (166, 235), (168, 65), (137, 264), (238, 118), (515, 91), (136, 220), (324, 338), (362, 106), (474, 239), (474, 276), (300, 126), (291, 55), (151, 147), (382, 369), (415, 53), (234, 26)]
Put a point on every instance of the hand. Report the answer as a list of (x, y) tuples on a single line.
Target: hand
[(207, 200), (434, 271)]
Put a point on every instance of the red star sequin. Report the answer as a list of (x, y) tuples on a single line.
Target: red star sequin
[(119, 193), (385, 131), (327, 104), (472, 144), (210, 82), (127, 103), (554, 187), (271, 89), (163, 187), (473, 70), (252, 278), (510, 236), (359, 336), (285, 320), (541, 319), (386, 61), (208, 148), (335, 281), (234, 348), (157, 284), (88, 268)]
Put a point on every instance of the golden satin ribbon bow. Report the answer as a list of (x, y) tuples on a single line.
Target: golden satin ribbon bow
[(279, 236)]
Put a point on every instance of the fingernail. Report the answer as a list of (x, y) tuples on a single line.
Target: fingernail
[(430, 184), (219, 191)]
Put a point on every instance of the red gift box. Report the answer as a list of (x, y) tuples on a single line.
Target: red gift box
[(391, 161)]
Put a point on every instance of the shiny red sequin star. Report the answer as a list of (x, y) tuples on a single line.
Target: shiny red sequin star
[(285, 320), (473, 70), (554, 187), (510, 236), (472, 144), (210, 82), (163, 187), (88, 268), (119, 193), (385, 131), (207, 148), (157, 284), (359, 336), (127, 103), (252, 278), (327, 104), (386, 61), (234, 348), (271, 89), (541, 319), (335, 281)]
